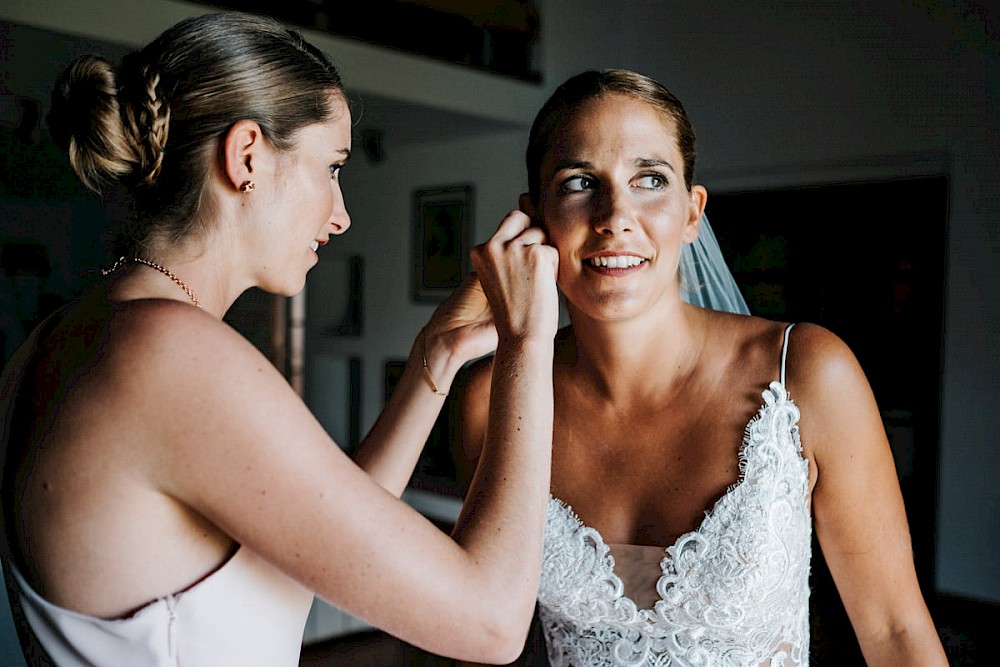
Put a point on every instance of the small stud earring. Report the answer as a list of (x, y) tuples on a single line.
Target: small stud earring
[(247, 186)]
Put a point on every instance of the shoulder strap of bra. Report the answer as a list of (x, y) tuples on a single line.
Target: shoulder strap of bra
[(784, 351)]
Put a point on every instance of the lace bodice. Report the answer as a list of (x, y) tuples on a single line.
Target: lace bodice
[(734, 592)]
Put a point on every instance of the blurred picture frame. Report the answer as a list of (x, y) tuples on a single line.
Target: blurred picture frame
[(442, 230)]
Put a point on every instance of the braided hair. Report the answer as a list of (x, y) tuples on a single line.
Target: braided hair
[(153, 124)]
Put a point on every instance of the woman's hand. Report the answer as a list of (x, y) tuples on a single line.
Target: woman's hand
[(515, 276), (463, 323), (518, 273)]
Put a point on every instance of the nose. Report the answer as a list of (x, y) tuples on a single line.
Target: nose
[(614, 213), (340, 219), (340, 223)]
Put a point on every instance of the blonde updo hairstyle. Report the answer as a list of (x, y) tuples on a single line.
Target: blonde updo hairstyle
[(155, 123)]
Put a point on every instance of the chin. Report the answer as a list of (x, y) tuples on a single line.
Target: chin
[(288, 287), (294, 290), (608, 311), (295, 284)]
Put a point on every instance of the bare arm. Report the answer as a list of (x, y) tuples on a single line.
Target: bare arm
[(857, 505), (474, 408), (252, 459), (461, 329)]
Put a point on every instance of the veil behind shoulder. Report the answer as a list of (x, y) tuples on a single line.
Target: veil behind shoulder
[(707, 280)]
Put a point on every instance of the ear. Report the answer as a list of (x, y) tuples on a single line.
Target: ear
[(242, 148), (698, 199), (526, 207)]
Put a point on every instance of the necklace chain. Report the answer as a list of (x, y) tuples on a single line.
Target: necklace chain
[(153, 265)]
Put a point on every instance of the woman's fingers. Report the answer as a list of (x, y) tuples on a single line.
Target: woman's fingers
[(532, 236), (518, 272), (464, 322), (512, 225), (512, 293)]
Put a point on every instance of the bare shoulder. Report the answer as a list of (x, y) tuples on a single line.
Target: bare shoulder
[(178, 348), (476, 387), (127, 349), (749, 347), (173, 376), (157, 327), (840, 420), (815, 356), (819, 362), (191, 357)]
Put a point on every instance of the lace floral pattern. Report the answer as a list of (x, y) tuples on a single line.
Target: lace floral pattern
[(734, 592)]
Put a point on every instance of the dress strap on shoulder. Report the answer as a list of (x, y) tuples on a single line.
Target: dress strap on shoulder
[(784, 351)]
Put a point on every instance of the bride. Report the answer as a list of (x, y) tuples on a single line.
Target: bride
[(694, 450)]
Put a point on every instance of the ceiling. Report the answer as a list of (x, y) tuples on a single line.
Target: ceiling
[(406, 123), (496, 36)]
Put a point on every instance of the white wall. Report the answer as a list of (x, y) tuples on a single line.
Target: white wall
[(379, 199)]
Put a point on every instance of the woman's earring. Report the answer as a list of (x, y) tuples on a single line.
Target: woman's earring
[(247, 186)]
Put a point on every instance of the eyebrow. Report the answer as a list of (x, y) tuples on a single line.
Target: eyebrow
[(346, 152), (640, 162), (572, 164), (653, 162)]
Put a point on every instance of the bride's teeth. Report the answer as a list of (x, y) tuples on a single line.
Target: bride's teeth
[(314, 245), (617, 261)]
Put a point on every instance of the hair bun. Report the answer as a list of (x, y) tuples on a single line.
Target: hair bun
[(85, 120)]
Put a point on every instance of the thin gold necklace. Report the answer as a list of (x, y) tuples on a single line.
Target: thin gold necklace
[(153, 265)]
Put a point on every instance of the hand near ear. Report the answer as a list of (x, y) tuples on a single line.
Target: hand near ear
[(518, 271)]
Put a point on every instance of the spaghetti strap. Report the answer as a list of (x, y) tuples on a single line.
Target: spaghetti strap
[(784, 352)]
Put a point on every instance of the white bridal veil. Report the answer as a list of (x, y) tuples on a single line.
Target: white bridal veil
[(707, 280)]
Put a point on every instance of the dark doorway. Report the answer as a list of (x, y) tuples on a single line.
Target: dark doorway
[(867, 261)]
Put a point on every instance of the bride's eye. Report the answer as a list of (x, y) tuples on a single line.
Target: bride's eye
[(577, 183), (651, 181)]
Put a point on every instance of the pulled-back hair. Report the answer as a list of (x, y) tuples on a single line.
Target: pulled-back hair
[(576, 91), (154, 124)]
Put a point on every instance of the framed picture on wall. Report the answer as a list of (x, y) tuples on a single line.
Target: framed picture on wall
[(442, 229)]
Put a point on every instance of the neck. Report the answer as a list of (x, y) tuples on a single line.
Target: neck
[(165, 271), (648, 355), (202, 280)]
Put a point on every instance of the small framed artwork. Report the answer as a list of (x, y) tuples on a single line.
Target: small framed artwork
[(442, 229)]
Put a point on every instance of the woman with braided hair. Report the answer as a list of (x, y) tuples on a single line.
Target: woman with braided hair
[(167, 498)]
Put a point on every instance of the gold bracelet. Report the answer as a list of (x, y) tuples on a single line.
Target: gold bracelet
[(427, 371)]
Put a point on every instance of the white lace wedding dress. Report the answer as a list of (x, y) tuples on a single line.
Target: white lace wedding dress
[(734, 592)]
